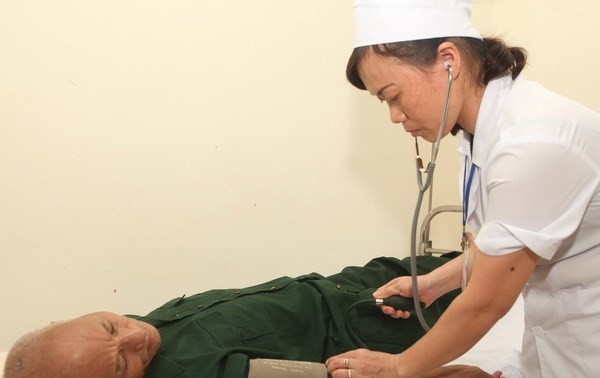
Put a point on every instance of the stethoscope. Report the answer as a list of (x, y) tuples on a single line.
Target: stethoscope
[(397, 302), (423, 186), (402, 303)]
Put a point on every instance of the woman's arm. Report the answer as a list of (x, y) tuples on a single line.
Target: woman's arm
[(495, 284)]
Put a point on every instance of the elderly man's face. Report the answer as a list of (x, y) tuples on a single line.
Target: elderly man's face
[(106, 345)]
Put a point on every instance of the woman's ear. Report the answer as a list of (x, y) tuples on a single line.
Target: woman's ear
[(449, 57)]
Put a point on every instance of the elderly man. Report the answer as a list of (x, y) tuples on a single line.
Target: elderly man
[(236, 333)]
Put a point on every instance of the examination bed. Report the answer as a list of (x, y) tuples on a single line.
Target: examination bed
[(498, 350)]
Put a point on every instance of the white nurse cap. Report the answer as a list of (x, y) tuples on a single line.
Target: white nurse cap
[(386, 21)]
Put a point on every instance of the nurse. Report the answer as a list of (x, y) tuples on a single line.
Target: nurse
[(530, 182)]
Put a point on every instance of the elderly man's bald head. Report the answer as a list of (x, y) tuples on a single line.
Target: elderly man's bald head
[(28, 357), (98, 345)]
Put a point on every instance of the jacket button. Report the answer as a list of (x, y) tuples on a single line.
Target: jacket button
[(538, 331)]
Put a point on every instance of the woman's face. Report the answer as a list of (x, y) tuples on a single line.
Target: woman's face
[(415, 97)]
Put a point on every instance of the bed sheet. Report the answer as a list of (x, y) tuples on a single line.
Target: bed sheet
[(498, 350)]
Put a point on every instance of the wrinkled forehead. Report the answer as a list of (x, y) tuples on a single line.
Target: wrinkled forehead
[(77, 327), (78, 348), (82, 347)]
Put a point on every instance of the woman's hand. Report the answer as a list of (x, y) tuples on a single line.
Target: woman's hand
[(403, 286), (362, 363), (431, 286)]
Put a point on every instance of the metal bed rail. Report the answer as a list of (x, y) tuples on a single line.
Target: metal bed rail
[(425, 246)]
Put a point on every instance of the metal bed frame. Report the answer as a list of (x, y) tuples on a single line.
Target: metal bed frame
[(425, 246)]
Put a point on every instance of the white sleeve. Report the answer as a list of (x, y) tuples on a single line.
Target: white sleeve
[(538, 192)]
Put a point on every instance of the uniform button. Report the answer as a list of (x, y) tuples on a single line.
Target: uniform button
[(273, 287), (538, 331), (338, 286), (200, 306)]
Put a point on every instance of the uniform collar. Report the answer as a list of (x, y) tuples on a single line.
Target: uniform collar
[(487, 119)]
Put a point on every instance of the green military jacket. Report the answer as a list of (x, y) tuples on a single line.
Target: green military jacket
[(214, 334)]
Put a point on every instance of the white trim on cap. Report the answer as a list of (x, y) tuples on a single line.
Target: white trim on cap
[(386, 21)]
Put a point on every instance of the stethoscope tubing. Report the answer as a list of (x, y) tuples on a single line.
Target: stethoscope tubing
[(422, 189)]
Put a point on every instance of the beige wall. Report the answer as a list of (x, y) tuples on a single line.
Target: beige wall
[(150, 148), (560, 37)]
